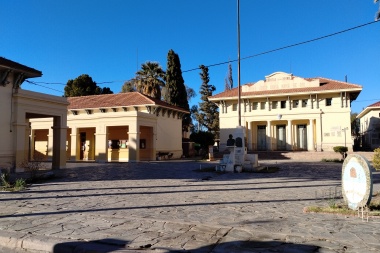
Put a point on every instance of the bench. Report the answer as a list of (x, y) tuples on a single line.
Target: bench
[(166, 155)]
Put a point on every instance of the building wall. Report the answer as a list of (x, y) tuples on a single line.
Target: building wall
[(324, 123), (143, 131), (6, 135), (370, 128)]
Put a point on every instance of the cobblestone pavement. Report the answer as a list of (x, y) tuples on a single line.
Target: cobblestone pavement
[(177, 206)]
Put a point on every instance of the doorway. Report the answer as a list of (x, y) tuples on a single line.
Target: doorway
[(301, 137), (261, 138), (281, 137)]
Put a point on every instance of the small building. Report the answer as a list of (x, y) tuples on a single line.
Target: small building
[(370, 126), (123, 127), (18, 107), (286, 112)]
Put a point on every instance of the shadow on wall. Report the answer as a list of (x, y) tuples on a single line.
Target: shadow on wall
[(112, 245)]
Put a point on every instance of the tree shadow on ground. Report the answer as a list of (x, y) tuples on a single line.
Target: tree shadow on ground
[(113, 245)]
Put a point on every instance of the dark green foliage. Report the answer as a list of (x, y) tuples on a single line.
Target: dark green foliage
[(106, 90), (83, 85), (128, 86), (207, 114), (203, 138), (229, 83), (150, 79), (376, 159), (175, 89), (342, 150), (355, 124)]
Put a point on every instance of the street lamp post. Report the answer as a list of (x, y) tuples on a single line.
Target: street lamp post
[(345, 130)]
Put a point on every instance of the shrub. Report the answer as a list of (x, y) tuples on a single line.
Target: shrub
[(376, 159), (204, 139), (20, 184), (342, 150), (4, 180), (32, 167)]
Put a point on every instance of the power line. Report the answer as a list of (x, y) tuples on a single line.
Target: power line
[(243, 58), (34, 83), (286, 47)]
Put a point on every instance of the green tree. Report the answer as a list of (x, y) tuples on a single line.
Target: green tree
[(83, 85), (128, 86), (106, 90), (207, 114), (205, 139), (355, 124), (175, 89), (228, 81), (150, 79), (190, 93)]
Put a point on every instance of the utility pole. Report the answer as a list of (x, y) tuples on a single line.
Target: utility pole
[(238, 70), (377, 16)]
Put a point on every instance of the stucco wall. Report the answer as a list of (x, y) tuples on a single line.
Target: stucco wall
[(324, 123), (6, 136)]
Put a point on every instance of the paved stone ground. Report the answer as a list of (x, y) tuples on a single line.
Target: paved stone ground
[(176, 207)]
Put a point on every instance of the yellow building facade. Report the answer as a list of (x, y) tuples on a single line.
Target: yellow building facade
[(370, 126), (124, 127), (288, 113), (18, 107)]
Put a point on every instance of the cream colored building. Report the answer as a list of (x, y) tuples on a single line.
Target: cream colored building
[(286, 112), (370, 126), (18, 107), (116, 127)]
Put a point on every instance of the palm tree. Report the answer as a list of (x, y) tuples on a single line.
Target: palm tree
[(150, 79)]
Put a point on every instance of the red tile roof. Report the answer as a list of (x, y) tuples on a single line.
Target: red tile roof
[(117, 100), (324, 85), (377, 104), (29, 72)]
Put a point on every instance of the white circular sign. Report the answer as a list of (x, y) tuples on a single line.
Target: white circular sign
[(356, 181)]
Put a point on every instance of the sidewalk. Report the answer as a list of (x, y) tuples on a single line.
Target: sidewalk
[(174, 206)]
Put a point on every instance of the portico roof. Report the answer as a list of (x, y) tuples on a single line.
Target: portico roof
[(325, 86), (374, 106), (19, 68), (118, 100)]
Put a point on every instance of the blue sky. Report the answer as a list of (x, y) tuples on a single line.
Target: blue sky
[(109, 40)]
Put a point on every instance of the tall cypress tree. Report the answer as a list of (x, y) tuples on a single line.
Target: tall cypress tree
[(175, 89), (208, 114), (229, 82)]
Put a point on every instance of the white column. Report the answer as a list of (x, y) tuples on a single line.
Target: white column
[(59, 142), (310, 136), (269, 135), (134, 142), (74, 144), (101, 143), (319, 137), (249, 136), (50, 144), (289, 136)]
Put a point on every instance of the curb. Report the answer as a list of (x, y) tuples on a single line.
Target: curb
[(44, 244)]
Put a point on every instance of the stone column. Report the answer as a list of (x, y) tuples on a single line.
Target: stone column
[(134, 140), (318, 135), (50, 144), (74, 143), (59, 142), (269, 135), (101, 144), (249, 136), (20, 135), (289, 136), (310, 136)]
